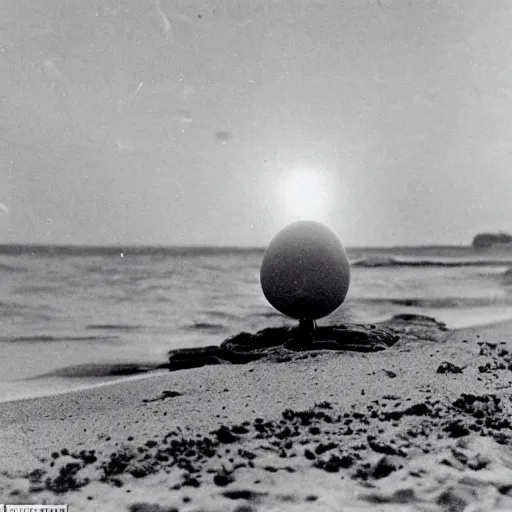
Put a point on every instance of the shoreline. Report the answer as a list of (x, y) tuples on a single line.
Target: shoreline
[(106, 374), (384, 429), (105, 381)]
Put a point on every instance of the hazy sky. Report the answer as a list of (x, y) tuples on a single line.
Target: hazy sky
[(166, 122)]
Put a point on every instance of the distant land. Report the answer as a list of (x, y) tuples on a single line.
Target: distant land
[(486, 240)]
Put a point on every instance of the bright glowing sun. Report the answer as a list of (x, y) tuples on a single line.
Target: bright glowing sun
[(305, 194)]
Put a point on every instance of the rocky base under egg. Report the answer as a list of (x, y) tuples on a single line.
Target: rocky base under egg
[(281, 344)]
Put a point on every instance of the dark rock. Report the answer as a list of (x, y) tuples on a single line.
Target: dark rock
[(381, 447), (165, 394), (140, 472), (246, 454), (478, 406), (279, 344), (150, 507), (243, 494), (117, 464), (505, 489), (447, 367), (420, 409), (264, 339), (224, 435), (417, 327), (309, 455), (190, 481), (485, 368), (486, 240), (67, 479), (334, 463), (223, 479), (239, 429), (88, 457), (36, 476), (354, 337), (384, 467), (324, 405), (322, 448), (457, 429)]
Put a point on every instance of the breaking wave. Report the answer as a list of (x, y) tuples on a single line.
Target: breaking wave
[(389, 261)]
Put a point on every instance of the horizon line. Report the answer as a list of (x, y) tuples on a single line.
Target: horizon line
[(127, 247)]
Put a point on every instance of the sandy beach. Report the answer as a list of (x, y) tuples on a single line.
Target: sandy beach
[(423, 425)]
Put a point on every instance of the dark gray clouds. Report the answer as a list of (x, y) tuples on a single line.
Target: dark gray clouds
[(162, 122)]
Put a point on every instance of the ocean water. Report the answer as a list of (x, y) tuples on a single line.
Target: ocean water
[(63, 307)]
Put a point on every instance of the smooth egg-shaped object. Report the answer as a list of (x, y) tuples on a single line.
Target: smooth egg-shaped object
[(305, 271)]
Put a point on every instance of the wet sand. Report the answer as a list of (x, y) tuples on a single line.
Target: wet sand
[(423, 425)]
